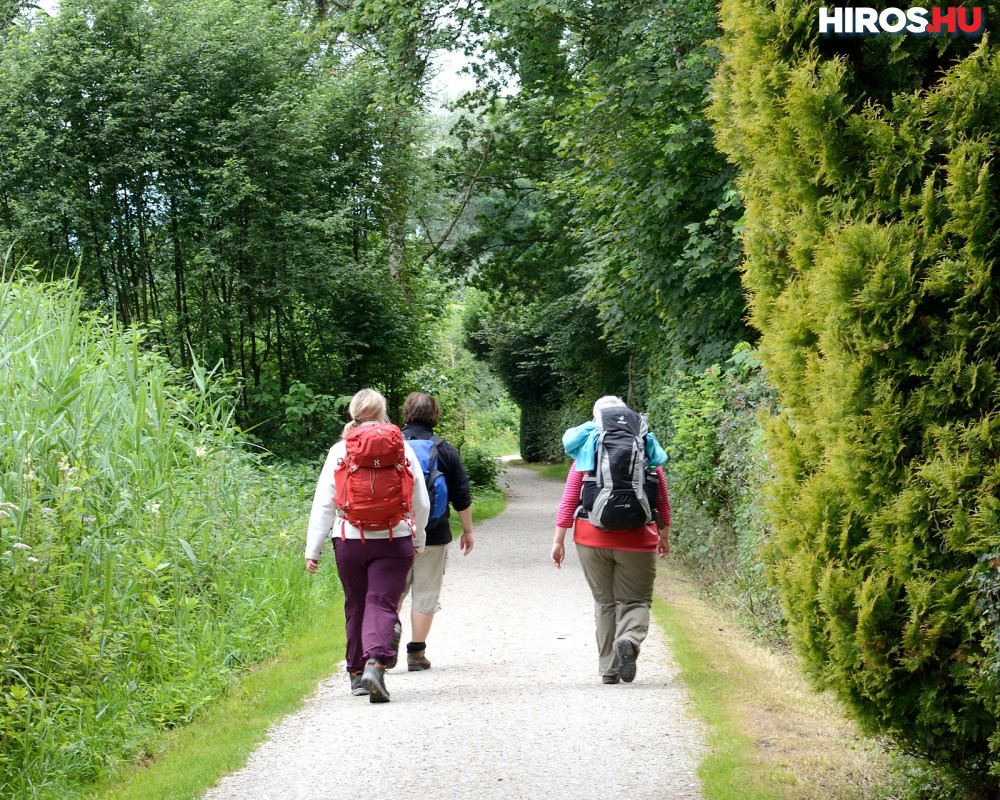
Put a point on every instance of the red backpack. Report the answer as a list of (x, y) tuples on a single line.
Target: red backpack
[(374, 485)]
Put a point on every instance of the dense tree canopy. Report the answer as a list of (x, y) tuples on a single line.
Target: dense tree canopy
[(216, 171), (606, 237)]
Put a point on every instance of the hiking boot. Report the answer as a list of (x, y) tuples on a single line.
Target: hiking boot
[(609, 679), (373, 682), (627, 654), (417, 661), (356, 688), (397, 634)]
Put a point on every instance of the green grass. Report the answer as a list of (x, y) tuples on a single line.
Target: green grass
[(727, 771), (770, 736), (187, 761), (555, 472), (146, 555)]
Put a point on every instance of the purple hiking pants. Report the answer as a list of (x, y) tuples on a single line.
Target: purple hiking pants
[(373, 574)]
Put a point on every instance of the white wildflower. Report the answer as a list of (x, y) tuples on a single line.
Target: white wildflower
[(9, 507), (4, 514), (201, 452), (20, 546), (74, 489), (48, 512), (154, 508), (7, 553), (32, 560)]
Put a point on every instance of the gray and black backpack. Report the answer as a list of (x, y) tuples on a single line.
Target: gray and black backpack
[(620, 494)]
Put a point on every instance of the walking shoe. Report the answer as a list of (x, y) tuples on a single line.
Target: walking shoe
[(417, 661), (627, 653), (397, 634), (356, 688), (373, 681), (609, 679)]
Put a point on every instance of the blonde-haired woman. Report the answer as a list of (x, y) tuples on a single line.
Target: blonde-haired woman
[(374, 548)]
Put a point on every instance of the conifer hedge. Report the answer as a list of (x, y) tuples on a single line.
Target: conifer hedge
[(869, 172)]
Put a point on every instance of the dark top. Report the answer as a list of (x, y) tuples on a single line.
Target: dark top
[(459, 495)]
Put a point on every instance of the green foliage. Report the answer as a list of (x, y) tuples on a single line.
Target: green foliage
[(484, 470), (710, 424), (606, 222), (477, 415), (145, 557), (476, 410), (872, 197), (651, 199)]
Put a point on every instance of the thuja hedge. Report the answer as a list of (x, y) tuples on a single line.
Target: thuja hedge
[(869, 171)]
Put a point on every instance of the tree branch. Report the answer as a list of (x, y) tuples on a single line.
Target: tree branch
[(461, 208)]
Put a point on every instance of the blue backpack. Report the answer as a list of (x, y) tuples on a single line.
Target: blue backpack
[(426, 451)]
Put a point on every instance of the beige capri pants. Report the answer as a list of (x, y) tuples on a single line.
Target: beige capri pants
[(426, 578)]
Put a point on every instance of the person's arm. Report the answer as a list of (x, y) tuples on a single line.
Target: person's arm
[(564, 516), (322, 512), (467, 541), (459, 492), (559, 546), (663, 507)]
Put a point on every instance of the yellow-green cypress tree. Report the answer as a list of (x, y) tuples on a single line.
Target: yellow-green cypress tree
[(869, 171)]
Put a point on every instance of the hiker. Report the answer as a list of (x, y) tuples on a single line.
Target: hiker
[(371, 493), (447, 484), (620, 515)]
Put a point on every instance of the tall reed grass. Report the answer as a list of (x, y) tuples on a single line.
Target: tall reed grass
[(145, 555)]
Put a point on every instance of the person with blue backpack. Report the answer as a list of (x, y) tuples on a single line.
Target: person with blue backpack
[(447, 485)]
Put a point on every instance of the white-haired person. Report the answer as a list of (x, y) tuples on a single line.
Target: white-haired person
[(372, 498), (617, 553)]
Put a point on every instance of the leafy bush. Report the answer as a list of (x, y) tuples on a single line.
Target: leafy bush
[(145, 557), (484, 470), (869, 172), (710, 424)]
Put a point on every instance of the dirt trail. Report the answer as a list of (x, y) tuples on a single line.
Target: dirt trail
[(513, 706)]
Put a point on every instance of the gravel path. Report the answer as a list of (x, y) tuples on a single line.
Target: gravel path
[(513, 706)]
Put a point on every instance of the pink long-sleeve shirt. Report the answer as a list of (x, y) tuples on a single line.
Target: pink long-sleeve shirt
[(638, 539)]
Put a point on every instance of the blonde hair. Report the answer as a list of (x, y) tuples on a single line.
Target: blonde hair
[(608, 401), (366, 406)]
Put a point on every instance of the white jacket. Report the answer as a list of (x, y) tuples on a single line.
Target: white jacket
[(323, 516)]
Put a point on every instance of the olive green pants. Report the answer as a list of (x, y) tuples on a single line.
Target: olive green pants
[(622, 584)]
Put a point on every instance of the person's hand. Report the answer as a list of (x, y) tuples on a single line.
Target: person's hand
[(312, 564), (663, 543), (558, 554), (466, 543)]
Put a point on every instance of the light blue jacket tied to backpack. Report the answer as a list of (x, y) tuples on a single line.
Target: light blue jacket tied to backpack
[(580, 444)]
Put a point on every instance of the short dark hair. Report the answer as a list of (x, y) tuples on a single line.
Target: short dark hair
[(422, 409)]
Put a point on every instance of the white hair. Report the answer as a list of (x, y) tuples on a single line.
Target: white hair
[(608, 401)]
